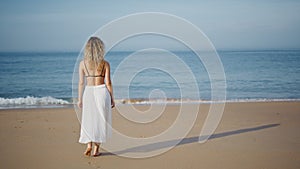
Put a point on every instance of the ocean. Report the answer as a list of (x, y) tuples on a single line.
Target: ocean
[(44, 79)]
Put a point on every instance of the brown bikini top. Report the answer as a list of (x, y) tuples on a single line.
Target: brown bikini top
[(100, 68)]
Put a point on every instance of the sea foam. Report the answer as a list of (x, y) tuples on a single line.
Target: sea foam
[(29, 100), (190, 101)]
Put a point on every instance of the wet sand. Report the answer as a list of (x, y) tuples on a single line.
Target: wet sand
[(250, 135)]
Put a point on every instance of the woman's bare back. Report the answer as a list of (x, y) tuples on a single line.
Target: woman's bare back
[(94, 76)]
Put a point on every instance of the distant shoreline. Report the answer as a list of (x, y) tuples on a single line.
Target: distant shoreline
[(137, 101)]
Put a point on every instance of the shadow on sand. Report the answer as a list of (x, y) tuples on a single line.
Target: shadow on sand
[(170, 143)]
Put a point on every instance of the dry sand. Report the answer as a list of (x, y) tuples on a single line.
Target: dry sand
[(250, 135)]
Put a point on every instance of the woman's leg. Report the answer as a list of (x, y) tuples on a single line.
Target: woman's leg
[(88, 149), (96, 149)]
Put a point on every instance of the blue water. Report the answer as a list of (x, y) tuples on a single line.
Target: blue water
[(254, 75)]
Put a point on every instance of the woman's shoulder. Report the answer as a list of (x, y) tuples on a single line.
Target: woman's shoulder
[(106, 62), (81, 63)]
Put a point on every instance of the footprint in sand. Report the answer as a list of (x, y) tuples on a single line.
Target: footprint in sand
[(21, 121)]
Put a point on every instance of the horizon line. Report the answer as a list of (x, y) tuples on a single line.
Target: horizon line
[(218, 50)]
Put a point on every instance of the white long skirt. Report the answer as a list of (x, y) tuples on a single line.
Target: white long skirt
[(96, 115)]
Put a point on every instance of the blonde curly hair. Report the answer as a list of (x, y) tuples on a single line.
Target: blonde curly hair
[(94, 51)]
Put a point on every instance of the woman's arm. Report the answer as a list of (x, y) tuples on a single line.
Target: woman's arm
[(108, 83), (80, 85)]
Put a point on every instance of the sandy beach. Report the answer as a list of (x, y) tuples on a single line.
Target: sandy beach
[(262, 135)]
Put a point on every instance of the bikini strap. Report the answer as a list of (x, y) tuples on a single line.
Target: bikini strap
[(101, 65), (88, 74)]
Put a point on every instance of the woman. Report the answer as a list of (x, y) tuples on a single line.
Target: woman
[(97, 100)]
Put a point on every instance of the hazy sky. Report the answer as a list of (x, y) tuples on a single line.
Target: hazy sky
[(39, 25)]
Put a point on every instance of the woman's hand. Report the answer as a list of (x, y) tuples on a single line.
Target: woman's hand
[(79, 104), (112, 103)]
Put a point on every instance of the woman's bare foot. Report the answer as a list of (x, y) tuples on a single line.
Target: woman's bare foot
[(96, 150), (88, 151)]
